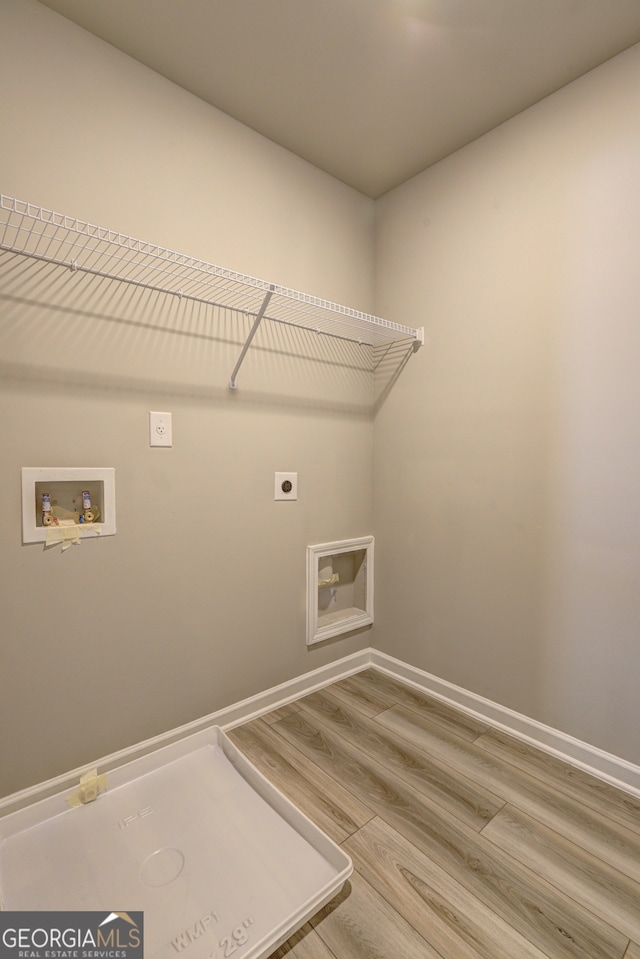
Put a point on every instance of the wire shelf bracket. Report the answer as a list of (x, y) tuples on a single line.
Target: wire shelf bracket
[(41, 234), (254, 329)]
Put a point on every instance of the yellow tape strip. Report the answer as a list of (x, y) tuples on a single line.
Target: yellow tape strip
[(91, 785), (329, 582)]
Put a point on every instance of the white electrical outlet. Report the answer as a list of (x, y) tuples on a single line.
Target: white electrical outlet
[(286, 486), (160, 433)]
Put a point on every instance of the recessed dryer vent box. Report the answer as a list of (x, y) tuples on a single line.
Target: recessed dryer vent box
[(65, 487), (339, 587), (219, 861)]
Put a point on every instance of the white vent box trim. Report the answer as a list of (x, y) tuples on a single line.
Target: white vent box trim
[(219, 861), (339, 587), (65, 487)]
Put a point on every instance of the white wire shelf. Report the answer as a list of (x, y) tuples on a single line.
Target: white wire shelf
[(51, 237)]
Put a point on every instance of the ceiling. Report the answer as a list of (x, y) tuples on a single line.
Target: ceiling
[(371, 91)]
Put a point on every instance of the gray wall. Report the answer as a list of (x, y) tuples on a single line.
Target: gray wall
[(199, 600), (507, 458), (501, 482)]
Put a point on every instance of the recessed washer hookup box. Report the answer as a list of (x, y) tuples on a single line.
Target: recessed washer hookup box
[(193, 836)]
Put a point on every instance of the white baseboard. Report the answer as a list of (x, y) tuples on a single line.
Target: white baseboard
[(226, 718), (604, 765), (620, 773)]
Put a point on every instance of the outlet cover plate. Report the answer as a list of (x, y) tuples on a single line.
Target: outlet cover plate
[(286, 486), (160, 432)]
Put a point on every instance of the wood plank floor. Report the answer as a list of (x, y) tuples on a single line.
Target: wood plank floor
[(466, 844)]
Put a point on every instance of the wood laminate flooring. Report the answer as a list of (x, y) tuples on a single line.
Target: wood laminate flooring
[(466, 844)]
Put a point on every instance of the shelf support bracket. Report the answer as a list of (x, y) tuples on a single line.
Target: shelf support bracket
[(254, 329)]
